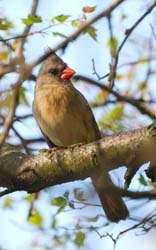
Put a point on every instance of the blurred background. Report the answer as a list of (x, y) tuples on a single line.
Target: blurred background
[(69, 216)]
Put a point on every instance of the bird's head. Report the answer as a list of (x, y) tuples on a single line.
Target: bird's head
[(54, 71)]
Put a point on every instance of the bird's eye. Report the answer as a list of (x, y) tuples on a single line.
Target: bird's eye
[(53, 71)]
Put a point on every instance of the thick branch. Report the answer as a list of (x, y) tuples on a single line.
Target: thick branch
[(33, 173)]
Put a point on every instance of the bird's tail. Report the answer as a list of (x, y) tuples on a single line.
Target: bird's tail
[(112, 203)]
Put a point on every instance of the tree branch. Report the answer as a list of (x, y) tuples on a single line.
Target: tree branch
[(72, 37), (27, 29), (9, 119), (128, 32), (122, 98), (19, 171)]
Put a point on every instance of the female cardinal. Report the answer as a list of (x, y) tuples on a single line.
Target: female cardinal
[(65, 118)]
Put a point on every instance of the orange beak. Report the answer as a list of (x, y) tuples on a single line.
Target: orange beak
[(67, 73)]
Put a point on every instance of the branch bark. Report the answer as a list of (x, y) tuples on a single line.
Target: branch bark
[(19, 171)]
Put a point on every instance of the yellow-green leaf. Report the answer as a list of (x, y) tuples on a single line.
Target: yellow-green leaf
[(112, 43), (4, 55), (59, 202), (7, 202), (23, 98), (31, 19), (5, 25), (36, 218), (93, 219), (61, 18), (59, 34), (76, 23), (115, 114), (91, 31), (29, 198), (79, 238)]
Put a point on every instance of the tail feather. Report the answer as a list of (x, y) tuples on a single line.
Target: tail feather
[(112, 203), (114, 207)]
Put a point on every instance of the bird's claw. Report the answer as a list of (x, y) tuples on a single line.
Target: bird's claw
[(76, 145)]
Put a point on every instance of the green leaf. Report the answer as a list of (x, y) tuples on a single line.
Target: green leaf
[(7, 202), (23, 98), (142, 180), (4, 55), (29, 198), (59, 202), (76, 23), (59, 34), (36, 218), (31, 19), (79, 238), (61, 18), (91, 31), (93, 219), (5, 25), (27, 21), (115, 114), (112, 43)]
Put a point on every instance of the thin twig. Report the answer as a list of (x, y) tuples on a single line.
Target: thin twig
[(153, 31), (6, 43), (78, 32), (139, 224), (128, 32), (119, 97), (86, 203), (94, 70), (23, 141), (110, 28), (96, 104)]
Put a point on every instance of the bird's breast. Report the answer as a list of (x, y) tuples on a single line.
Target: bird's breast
[(56, 115), (63, 116)]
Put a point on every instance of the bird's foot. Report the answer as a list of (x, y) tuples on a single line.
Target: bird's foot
[(76, 145), (54, 149), (51, 150)]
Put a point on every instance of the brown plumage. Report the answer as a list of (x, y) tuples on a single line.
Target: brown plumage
[(65, 118)]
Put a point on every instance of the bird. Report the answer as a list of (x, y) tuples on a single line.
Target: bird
[(65, 118)]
